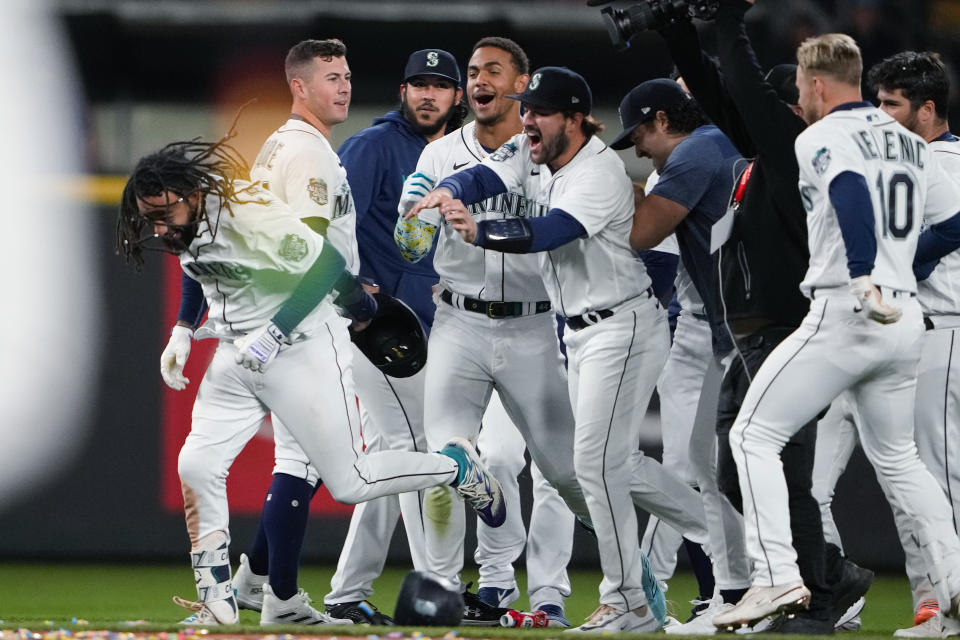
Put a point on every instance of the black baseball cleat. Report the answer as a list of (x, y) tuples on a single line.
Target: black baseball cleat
[(801, 624), (361, 612), (854, 583), (477, 613)]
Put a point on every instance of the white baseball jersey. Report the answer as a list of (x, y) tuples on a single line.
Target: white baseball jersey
[(246, 288), (298, 164), (906, 187), (939, 294), (601, 270), (467, 269)]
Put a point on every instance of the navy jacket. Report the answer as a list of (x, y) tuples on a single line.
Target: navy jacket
[(378, 160)]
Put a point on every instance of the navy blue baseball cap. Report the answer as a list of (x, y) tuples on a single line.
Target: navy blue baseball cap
[(783, 79), (432, 62), (557, 89), (643, 102)]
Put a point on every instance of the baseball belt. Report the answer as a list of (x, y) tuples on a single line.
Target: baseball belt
[(496, 309)]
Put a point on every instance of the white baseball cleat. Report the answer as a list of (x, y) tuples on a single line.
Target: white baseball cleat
[(850, 620), (759, 602), (606, 619), (295, 610), (477, 486), (702, 623), (929, 628), (248, 586)]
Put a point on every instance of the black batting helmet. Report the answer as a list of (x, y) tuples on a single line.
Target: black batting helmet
[(429, 601), (394, 341)]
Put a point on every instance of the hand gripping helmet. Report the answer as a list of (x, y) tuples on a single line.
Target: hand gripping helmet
[(394, 341)]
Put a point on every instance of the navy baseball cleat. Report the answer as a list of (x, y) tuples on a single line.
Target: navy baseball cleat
[(475, 484)]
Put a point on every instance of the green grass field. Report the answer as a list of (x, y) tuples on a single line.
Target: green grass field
[(137, 598)]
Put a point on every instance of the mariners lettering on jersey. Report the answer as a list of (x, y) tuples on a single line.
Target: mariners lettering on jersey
[(342, 201), (226, 271), (512, 204), (888, 145)]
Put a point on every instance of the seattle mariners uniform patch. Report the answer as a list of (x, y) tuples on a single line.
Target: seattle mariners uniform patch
[(293, 248), (505, 152), (821, 160), (317, 189)]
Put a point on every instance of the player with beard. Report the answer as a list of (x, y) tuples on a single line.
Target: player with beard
[(377, 160)]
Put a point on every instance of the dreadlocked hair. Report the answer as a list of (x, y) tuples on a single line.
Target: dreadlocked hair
[(185, 168)]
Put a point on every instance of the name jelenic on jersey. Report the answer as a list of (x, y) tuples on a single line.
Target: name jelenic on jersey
[(907, 187), (298, 164), (599, 271), (246, 282), (467, 269), (939, 294)]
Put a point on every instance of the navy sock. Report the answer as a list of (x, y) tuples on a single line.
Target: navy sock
[(257, 555), (702, 568), (732, 596), (284, 522)]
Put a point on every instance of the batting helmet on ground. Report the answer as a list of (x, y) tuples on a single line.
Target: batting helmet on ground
[(394, 341), (428, 600)]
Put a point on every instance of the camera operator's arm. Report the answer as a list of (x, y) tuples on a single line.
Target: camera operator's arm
[(704, 80), (771, 123)]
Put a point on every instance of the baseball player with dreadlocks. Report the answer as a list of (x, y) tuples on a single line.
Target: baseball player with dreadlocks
[(265, 276)]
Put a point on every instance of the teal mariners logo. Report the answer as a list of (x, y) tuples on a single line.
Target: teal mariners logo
[(505, 152), (433, 59), (534, 82), (317, 189), (821, 160), (293, 248)]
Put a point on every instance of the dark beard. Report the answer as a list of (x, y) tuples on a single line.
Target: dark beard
[(555, 148), (426, 130)]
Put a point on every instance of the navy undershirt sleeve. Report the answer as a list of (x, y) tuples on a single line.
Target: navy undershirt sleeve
[(193, 306), (937, 241), (850, 198), (315, 284), (553, 230), (662, 269), (474, 184)]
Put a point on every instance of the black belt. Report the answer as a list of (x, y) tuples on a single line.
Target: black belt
[(495, 309), (589, 318)]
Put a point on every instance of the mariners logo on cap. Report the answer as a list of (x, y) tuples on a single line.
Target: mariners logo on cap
[(433, 59), (535, 82)]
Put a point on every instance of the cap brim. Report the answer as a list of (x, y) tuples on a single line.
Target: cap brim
[(437, 75), (622, 141), (533, 101)]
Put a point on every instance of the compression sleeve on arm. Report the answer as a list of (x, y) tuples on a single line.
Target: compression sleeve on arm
[(473, 184), (315, 284), (193, 305), (937, 241), (851, 200), (662, 269), (529, 235)]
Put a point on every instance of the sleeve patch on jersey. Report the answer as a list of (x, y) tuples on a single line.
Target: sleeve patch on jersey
[(317, 189), (505, 152), (821, 160), (293, 248)]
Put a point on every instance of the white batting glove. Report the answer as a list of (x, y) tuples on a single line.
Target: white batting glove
[(415, 187), (174, 357), (257, 349), (871, 300)]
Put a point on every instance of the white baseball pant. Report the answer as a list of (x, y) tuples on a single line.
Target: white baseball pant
[(838, 348), (309, 386)]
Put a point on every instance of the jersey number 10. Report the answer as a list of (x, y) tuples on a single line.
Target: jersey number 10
[(896, 202)]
